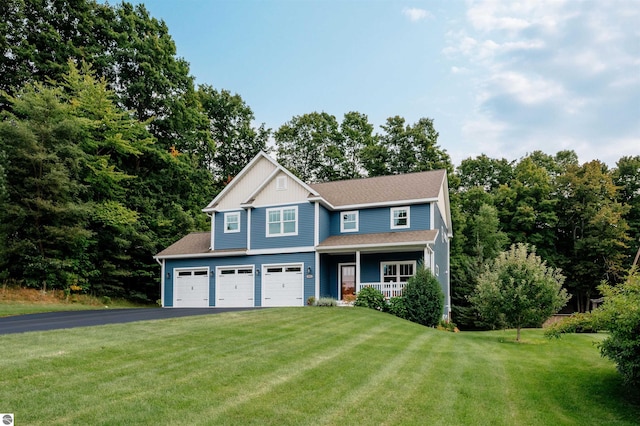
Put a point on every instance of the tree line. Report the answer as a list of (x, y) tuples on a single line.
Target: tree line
[(108, 152)]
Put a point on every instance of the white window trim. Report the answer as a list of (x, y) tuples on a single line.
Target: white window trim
[(226, 222), (398, 263), (392, 214), (342, 229), (281, 209)]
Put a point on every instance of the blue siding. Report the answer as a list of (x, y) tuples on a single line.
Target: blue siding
[(377, 220), (308, 260), (325, 223), (441, 250), (304, 238), (231, 239), (369, 265)]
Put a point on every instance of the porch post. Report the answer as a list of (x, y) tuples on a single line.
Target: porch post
[(357, 270)]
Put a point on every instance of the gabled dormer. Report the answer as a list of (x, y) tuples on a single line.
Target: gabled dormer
[(265, 201)]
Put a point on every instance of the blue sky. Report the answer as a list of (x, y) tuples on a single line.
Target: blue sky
[(503, 78)]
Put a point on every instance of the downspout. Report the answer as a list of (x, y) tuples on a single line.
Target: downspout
[(316, 241)]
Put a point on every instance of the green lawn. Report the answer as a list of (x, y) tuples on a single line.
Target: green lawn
[(332, 366)]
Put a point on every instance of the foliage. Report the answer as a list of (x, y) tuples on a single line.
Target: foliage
[(326, 301), (592, 231), (311, 301), (235, 140), (519, 290), (619, 314), (372, 298), (396, 306), (447, 326), (423, 298), (581, 322)]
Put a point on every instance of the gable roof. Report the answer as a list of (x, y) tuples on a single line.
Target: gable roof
[(261, 156), (390, 189)]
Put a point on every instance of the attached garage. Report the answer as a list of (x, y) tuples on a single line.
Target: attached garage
[(191, 288), (283, 285), (235, 287)]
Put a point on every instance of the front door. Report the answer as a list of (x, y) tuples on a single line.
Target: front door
[(348, 282)]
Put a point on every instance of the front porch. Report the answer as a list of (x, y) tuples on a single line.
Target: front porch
[(343, 275)]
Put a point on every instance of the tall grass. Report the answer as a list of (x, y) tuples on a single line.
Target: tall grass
[(306, 366)]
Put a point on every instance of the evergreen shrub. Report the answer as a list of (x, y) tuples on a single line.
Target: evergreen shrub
[(423, 298), (369, 297)]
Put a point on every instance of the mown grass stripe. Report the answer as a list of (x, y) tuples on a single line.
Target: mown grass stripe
[(306, 366)]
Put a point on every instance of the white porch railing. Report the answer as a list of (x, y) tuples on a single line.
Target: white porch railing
[(389, 290)]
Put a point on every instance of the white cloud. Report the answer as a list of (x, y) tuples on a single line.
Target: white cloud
[(415, 14), (550, 75), (526, 89)]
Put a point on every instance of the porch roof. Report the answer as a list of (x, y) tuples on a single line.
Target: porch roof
[(373, 241), (196, 244)]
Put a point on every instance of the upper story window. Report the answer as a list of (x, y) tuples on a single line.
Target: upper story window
[(400, 217), (282, 221), (232, 222), (349, 221)]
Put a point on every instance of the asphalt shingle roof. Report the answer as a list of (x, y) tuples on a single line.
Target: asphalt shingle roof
[(385, 238), (194, 243), (382, 189)]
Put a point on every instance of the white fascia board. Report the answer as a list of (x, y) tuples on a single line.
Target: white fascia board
[(322, 201), (366, 247), (286, 250), (211, 206), (384, 204), (201, 255), (445, 188)]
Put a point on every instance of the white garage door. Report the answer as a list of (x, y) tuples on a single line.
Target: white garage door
[(234, 287), (191, 288), (282, 285)]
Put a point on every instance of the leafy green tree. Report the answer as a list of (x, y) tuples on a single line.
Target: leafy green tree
[(519, 290), (423, 298), (235, 140), (528, 208), (484, 241), (626, 177), (357, 136), (592, 231), (484, 172), (413, 148), (310, 146), (43, 222)]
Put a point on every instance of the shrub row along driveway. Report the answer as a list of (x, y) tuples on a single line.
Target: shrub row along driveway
[(57, 320)]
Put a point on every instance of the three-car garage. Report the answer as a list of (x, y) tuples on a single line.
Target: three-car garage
[(268, 285)]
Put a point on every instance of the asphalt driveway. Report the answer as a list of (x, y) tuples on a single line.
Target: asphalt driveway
[(73, 319)]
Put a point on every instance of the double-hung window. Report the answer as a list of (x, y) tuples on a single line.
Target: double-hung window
[(349, 221), (400, 217), (397, 272), (232, 222), (282, 221)]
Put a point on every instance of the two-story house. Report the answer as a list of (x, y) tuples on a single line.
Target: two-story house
[(277, 241)]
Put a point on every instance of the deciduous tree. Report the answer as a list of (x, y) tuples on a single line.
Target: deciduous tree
[(519, 290)]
